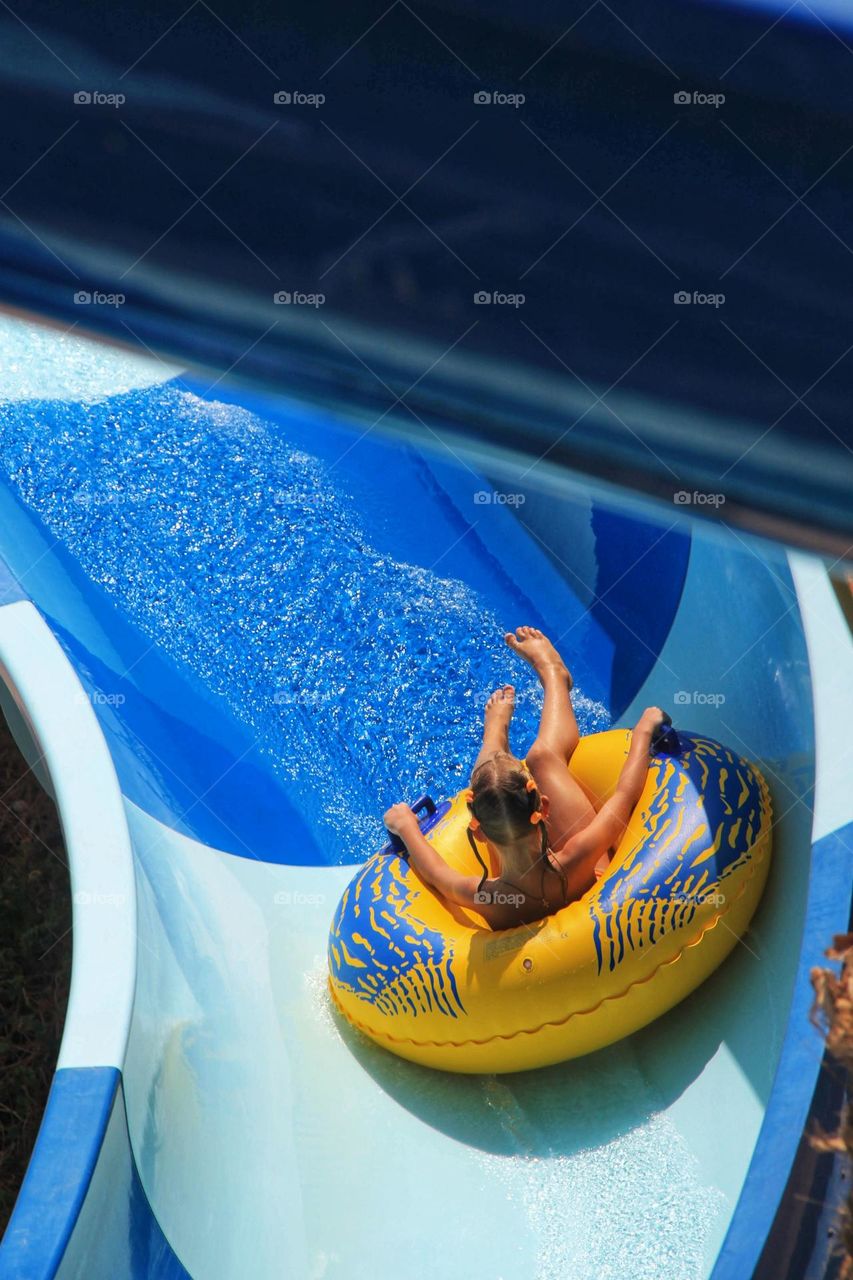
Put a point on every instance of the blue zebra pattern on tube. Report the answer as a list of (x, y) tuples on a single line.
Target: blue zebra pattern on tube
[(700, 827), (385, 955)]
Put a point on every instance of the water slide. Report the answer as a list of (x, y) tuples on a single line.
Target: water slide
[(233, 628), (198, 199)]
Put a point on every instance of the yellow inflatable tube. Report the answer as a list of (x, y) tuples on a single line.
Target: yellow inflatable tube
[(431, 982)]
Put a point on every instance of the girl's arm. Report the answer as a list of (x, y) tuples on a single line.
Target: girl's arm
[(429, 864), (579, 855)]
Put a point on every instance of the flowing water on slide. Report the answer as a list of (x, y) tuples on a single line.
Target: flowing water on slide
[(361, 676), (247, 561)]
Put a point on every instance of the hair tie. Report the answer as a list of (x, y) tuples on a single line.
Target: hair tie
[(536, 817), (531, 785)]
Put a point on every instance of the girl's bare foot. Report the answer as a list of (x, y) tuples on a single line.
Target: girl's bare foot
[(534, 647), (499, 708)]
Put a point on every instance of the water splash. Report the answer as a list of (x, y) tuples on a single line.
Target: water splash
[(40, 363), (361, 676), (591, 1210)]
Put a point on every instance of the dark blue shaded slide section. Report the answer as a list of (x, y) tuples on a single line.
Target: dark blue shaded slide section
[(635, 609), (613, 188)]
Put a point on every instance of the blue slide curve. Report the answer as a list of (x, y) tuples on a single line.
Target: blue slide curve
[(249, 627)]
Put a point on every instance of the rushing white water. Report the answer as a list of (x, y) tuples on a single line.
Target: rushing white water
[(242, 556)]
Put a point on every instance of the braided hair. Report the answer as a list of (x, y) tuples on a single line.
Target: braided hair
[(505, 801)]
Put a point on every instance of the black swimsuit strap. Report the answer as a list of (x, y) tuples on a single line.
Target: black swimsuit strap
[(558, 871)]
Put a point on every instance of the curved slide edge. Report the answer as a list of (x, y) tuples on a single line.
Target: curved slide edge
[(60, 1170), (828, 909), (790, 1105), (117, 1233), (59, 734)]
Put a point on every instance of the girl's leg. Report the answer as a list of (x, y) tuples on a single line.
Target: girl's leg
[(499, 709), (570, 808)]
